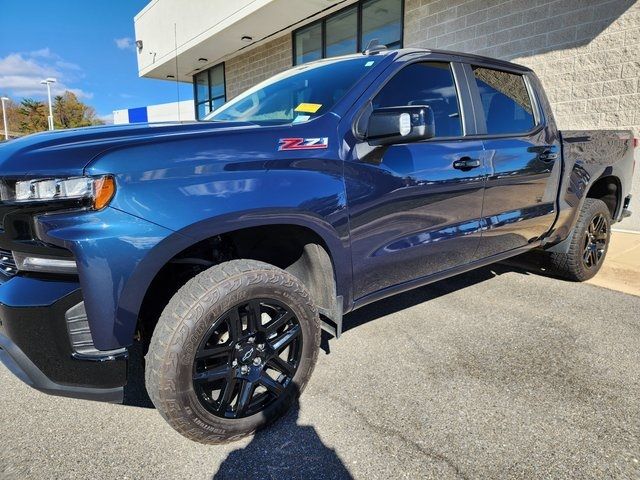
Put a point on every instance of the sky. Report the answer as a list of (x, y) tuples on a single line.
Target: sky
[(87, 45)]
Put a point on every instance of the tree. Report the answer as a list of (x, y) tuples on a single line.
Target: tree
[(69, 112), (32, 116)]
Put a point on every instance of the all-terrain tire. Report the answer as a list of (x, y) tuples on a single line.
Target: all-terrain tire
[(571, 265), (182, 327)]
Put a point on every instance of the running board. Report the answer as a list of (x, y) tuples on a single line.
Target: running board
[(422, 281)]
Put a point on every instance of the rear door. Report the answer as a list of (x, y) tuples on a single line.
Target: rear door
[(522, 159)]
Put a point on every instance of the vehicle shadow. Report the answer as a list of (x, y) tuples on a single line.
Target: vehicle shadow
[(286, 449), (402, 301), (283, 450)]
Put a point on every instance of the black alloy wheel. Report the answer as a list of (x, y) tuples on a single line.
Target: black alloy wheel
[(232, 351), (247, 359), (595, 241), (582, 254)]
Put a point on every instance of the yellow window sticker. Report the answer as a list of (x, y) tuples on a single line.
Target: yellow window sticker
[(308, 107)]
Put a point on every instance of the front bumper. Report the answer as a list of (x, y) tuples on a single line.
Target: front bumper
[(36, 347)]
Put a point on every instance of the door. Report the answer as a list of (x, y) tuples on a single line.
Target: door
[(415, 209), (522, 158)]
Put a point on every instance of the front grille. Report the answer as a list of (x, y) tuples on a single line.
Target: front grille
[(17, 227), (7, 263)]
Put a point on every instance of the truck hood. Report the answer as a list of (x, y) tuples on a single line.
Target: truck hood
[(68, 152)]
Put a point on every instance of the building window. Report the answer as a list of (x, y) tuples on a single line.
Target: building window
[(350, 30), (382, 19), (309, 44), (209, 90), (341, 33)]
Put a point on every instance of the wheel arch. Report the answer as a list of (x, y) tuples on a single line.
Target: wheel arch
[(319, 262), (607, 188)]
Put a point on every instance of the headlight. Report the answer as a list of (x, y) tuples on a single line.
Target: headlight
[(99, 189)]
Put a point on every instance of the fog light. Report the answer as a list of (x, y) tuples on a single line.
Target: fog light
[(26, 262)]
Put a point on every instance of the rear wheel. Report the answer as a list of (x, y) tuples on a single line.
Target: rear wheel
[(588, 246), (232, 351)]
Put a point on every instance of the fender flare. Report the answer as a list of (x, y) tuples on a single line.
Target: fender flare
[(570, 223), (132, 296)]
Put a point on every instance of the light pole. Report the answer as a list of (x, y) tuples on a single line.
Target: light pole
[(4, 117), (48, 82)]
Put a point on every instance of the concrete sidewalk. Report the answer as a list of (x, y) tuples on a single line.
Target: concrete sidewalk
[(621, 268)]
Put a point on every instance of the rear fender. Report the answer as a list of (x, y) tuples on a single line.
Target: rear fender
[(589, 156)]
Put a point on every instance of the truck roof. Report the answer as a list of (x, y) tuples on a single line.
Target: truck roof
[(461, 55), (484, 59)]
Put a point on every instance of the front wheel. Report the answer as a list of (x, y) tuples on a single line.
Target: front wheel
[(588, 245), (232, 351)]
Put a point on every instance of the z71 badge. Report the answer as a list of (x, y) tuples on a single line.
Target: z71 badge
[(303, 143)]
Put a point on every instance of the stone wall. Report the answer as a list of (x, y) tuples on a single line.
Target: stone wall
[(246, 69), (586, 53)]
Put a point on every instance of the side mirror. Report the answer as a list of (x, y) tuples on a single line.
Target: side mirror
[(393, 125)]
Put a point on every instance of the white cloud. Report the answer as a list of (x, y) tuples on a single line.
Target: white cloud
[(42, 53), (68, 65), (21, 73), (107, 118), (125, 43)]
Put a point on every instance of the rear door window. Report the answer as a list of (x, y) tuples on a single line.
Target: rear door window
[(506, 102)]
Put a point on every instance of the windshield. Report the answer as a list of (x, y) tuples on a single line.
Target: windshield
[(297, 95)]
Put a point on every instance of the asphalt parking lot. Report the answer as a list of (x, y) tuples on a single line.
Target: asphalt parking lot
[(495, 373)]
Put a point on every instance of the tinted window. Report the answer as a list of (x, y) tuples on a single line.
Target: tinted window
[(381, 20), (425, 84), (202, 85), (341, 33), (216, 78), (309, 44), (506, 101), (209, 90)]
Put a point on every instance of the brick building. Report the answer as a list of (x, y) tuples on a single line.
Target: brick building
[(586, 52)]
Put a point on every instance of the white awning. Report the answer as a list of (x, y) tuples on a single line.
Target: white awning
[(208, 31)]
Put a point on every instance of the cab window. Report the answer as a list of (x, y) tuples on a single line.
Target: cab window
[(505, 100), (426, 83)]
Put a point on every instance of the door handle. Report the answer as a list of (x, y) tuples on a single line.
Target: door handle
[(546, 153), (548, 156), (466, 163)]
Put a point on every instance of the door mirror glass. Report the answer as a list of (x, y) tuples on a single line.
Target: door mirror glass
[(391, 125)]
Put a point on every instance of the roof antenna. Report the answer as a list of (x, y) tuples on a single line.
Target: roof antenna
[(374, 46)]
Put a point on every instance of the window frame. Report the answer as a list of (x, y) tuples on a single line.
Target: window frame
[(210, 99), (480, 118), (461, 82), (323, 29)]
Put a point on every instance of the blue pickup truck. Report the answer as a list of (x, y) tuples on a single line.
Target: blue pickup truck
[(222, 248)]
